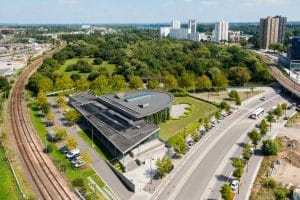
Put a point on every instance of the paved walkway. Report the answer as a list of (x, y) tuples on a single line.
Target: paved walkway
[(99, 165)]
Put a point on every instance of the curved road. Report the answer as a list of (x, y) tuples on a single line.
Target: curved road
[(43, 176)]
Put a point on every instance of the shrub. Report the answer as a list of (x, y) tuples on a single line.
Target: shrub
[(280, 194), (270, 147), (98, 61), (269, 183), (78, 182)]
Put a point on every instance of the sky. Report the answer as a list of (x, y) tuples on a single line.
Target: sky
[(144, 11)]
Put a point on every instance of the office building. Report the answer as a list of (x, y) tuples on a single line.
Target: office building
[(192, 26), (181, 33), (124, 121), (221, 31), (272, 31), (292, 59), (164, 31), (175, 24)]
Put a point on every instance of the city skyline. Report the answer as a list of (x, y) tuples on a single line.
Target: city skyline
[(134, 11)]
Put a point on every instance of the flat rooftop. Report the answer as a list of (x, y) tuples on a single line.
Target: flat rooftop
[(138, 105), (119, 117)]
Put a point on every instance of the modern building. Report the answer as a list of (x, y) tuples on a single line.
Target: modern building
[(192, 26), (221, 31), (292, 59), (272, 31), (164, 31), (197, 37), (181, 33), (175, 24), (124, 121)]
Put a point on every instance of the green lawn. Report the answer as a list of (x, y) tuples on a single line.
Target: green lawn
[(110, 67), (199, 109), (8, 188), (58, 158)]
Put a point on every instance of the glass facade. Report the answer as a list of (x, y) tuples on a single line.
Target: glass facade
[(294, 49)]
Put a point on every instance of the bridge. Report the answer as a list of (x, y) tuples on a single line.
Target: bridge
[(284, 80)]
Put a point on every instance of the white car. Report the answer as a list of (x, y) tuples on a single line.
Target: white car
[(73, 153), (263, 98), (79, 163), (234, 185)]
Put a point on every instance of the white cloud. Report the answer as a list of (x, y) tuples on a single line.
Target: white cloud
[(167, 4), (254, 3), (208, 2)]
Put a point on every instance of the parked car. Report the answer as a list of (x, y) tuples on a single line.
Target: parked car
[(64, 150), (73, 153), (202, 134), (263, 98), (234, 185), (79, 163), (76, 159), (49, 123)]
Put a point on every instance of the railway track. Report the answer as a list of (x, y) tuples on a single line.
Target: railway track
[(46, 180)]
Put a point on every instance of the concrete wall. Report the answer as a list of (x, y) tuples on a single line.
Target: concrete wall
[(130, 185)]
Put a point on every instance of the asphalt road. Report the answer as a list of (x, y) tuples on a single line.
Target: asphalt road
[(192, 179)]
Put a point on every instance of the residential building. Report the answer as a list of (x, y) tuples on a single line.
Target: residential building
[(124, 121), (164, 31), (175, 24), (181, 33), (272, 31), (197, 37), (192, 26), (221, 31)]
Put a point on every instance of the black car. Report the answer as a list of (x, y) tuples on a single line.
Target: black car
[(63, 150)]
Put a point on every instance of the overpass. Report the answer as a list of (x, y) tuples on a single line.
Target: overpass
[(285, 81)]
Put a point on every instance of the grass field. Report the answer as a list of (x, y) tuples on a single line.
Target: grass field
[(8, 188), (110, 67), (199, 109), (58, 158)]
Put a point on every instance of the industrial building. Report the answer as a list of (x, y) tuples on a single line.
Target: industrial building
[(124, 121)]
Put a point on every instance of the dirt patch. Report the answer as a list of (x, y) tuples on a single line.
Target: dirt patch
[(179, 110)]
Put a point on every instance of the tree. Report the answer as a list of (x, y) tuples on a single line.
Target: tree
[(4, 84), (284, 108), (42, 102), (278, 111), (45, 84), (100, 85), (238, 165), (75, 77), (238, 101), (226, 192), (195, 136), (180, 145), (203, 83), (243, 42), (118, 83), (153, 84), (82, 84), (170, 82), (98, 61), (50, 117), (263, 127), (239, 75), (135, 82), (254, 136), (220, 81), (61, 133), (247, 152), (187, 80), (233, 94), (224, 105), (271, 119), (72, 116), (280, 194), (63, 83), (164, 166), (270, 183), (206, 123), (270, 147), (71, 143), (218, 114)]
